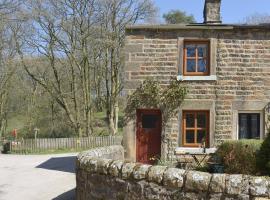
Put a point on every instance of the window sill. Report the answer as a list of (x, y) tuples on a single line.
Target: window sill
[(197, 78), (184, 150)]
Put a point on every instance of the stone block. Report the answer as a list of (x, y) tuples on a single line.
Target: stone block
[(136, 189), (259, 186), (155, 173), (156, 191), (218, 182), (174, 177), (132, 84), (197, 181), (127, 170), (194, 196), (91, 165), (217, 196), (141, 171), (103, 165), (237, 184), (132, 66), (115, 168), (133, 48)]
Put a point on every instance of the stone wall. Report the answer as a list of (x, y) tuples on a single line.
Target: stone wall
[(240, 63), (103, 178)]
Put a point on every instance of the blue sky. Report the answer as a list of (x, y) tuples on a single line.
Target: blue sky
[(232, 11)]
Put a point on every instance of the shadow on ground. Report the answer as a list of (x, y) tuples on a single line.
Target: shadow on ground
[(64, 164), (69, 195)]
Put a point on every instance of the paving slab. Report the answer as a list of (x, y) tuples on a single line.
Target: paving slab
[(37, 177)]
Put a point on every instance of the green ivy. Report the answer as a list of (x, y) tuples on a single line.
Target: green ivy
[(150, 94)]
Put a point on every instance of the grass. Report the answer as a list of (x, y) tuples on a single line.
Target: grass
[(17, 122), (99, 123), (49, 151), (100, 128)]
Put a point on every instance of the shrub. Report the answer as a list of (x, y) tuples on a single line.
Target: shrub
[(239, 157), (151, 94), (263, 157)]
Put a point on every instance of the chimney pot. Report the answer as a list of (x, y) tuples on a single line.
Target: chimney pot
[(212, 12)]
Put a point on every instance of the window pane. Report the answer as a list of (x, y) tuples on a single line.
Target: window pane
[(202, 65), (201, 120), (249, 126), (255, 126), (190, 136), (243, 126), (201, 135), (202, 50), (191, 65), (191, 50), (149, 121), (190, 121)]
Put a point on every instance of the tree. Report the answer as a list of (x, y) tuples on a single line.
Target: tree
[(7, 55), (178, 17), (257, 19), (116, 15), (63, 39), (76, 53)]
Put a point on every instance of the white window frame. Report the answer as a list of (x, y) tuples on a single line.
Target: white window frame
[(261, 121)]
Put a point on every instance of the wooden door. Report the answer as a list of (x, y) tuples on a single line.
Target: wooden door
[(148, 136)]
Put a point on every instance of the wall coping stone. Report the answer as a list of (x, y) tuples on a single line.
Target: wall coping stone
[(236, 185)]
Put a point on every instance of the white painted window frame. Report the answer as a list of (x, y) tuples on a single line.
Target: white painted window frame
[(251, 111)]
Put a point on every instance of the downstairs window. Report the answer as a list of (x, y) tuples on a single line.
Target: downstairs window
[(195, 128)]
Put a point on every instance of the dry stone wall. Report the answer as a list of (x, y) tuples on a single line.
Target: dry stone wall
[(104, 178)]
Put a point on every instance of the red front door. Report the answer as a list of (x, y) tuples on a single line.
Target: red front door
[(148, 136)]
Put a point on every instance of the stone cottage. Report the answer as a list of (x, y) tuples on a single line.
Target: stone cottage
[(226, 69)]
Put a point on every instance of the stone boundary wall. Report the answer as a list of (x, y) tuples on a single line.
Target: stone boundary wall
[(103, 174)]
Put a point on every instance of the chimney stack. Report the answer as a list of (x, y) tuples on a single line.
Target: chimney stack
[(212, 12)]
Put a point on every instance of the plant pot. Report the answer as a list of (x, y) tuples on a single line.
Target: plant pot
[(216, 168)]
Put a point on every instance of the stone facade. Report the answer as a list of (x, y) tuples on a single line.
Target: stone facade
[(239, 79), (103, 178)]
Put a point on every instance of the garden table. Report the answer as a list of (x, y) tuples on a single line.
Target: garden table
[(195, 157), (197, 160)]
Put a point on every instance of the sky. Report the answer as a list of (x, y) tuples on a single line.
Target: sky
[(232, 11)]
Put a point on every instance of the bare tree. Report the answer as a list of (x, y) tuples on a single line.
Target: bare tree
[(257, 19), (76, 53), (7, 55), (62, 31), (116, 15)]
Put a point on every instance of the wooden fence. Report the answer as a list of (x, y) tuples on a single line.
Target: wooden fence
[(47, 144)]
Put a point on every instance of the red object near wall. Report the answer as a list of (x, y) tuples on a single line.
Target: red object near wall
[(14, 132)]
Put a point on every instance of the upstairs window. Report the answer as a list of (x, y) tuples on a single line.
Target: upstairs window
[(196, 58)]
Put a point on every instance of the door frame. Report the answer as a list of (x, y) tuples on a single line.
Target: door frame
[(148, 111)]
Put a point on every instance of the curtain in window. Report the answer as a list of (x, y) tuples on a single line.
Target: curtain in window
[(249, 126)]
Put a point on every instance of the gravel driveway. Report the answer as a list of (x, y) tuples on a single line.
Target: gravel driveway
[(37, 177)]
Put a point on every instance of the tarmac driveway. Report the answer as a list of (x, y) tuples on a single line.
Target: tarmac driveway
[(37, 177)]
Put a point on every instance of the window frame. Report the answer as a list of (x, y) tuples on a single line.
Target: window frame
[(196, 58), (262, 130), (195, 112)]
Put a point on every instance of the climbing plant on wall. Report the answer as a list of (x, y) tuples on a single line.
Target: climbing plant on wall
[(150, 94)]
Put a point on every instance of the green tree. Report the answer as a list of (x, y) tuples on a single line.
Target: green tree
[(178, 17), (263, 157)]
